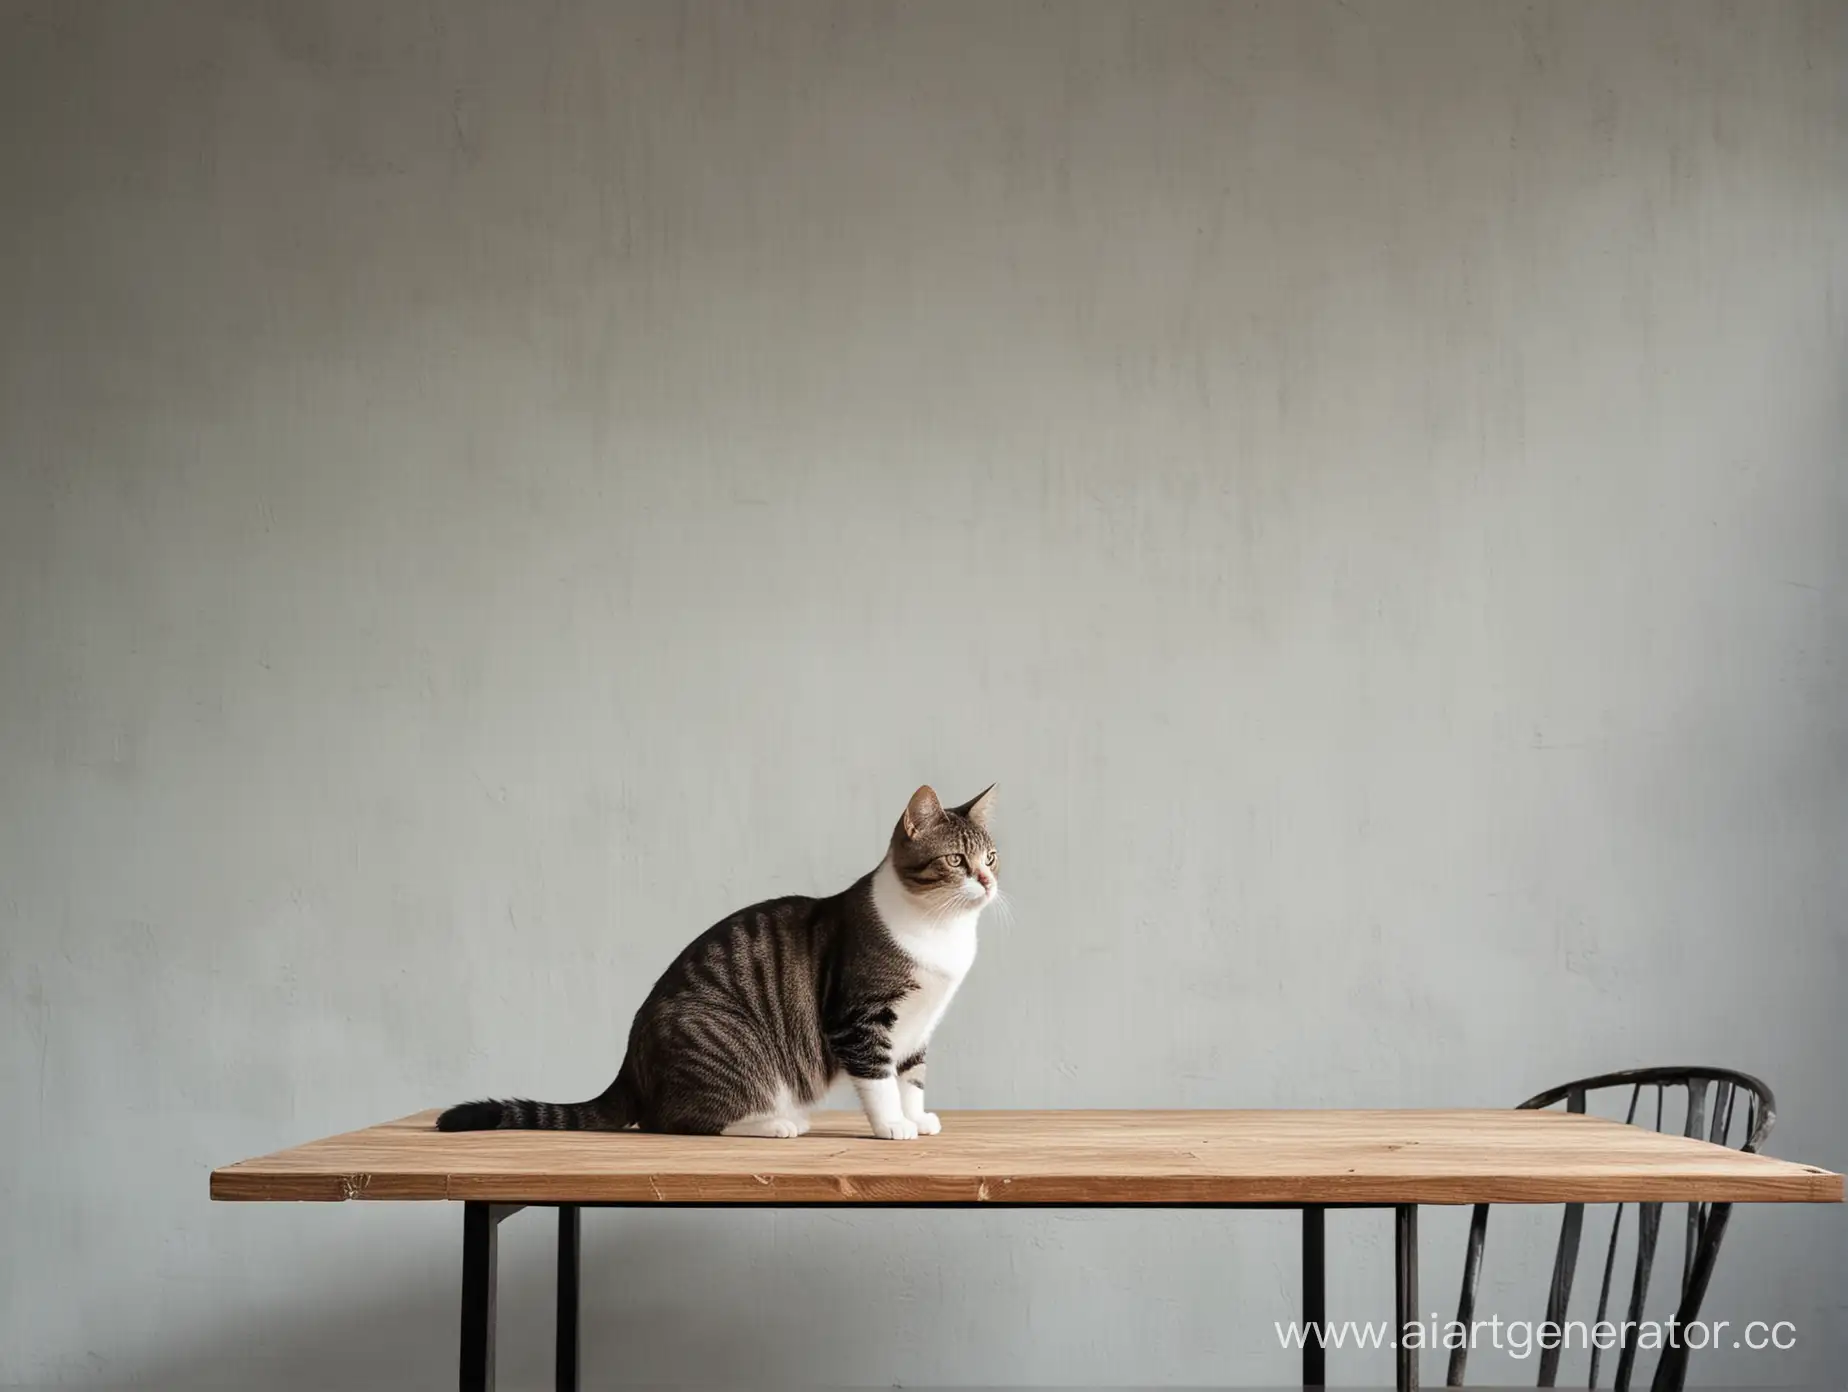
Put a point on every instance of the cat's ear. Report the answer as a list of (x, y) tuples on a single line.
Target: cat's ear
[(979, 808), (922, 811)]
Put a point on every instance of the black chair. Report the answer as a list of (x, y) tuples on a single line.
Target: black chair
[(1706, 1222)]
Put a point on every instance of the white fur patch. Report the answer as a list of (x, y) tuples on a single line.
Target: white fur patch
[(880, 1101), (942, 948)]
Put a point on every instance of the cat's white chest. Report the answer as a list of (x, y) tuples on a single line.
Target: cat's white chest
[(941, 952)]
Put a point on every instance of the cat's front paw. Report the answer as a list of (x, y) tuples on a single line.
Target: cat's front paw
[(927, 1123), (897, 1129)]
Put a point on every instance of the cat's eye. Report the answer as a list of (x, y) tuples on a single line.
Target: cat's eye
[(953, 861), (989, 859)]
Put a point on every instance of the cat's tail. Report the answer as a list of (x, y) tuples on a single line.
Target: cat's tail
[(613, 1111)]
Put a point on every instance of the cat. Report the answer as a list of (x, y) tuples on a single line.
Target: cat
[(761, 1013)]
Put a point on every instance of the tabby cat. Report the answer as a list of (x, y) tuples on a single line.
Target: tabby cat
[(764, 1010)]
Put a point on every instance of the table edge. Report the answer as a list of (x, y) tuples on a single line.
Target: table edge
[(235, 1185)]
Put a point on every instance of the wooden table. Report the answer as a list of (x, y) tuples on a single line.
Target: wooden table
[(1307, 1160)]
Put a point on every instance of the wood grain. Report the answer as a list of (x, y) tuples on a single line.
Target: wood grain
[(1286, 1157)]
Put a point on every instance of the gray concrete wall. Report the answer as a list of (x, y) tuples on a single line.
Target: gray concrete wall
[(488, 488)]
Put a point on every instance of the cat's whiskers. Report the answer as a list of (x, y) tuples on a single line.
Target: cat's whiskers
[(1004, 906), (947, 910)]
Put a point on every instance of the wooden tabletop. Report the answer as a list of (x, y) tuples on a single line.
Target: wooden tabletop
[(1272, 1157)]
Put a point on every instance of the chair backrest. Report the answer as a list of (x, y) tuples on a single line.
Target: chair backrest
[(1706, 1223)]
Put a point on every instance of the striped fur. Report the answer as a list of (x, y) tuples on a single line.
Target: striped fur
[(761, 1013)]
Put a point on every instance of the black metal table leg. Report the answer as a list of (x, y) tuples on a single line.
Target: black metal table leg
[(1405, 1292), (569, 1225), (1315, 1295), (479, 1249)]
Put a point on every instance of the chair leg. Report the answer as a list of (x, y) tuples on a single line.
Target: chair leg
[(1671, 1373)]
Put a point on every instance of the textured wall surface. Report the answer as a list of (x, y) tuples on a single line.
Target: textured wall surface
[(487, 489)]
